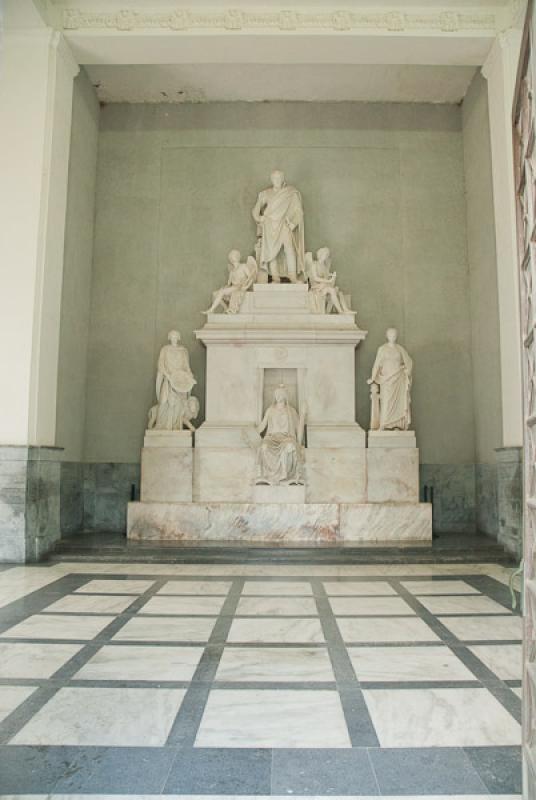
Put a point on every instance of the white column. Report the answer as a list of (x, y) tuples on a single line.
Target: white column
[(36, 87), (500, 72)]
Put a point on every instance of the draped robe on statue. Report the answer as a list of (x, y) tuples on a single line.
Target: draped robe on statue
[(392, 372), (279, 456), (174, 381), (278, 206)]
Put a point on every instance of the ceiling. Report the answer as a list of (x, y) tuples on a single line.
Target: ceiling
[(179, 83)]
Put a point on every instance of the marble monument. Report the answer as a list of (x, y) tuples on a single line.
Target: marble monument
[(280, 455)]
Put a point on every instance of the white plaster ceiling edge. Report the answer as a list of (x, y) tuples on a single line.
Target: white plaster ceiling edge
[(238, 19)]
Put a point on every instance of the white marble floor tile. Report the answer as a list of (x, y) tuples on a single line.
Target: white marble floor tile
[(283, 630), (188, 605), (470, 604), (370, 606), (364, 588), (502, 659), (277, 606), (141, 663), (484, 628), (385, 629), (11, 697), (278, 588), (166, 629), (285, 664), (273, 718), (95, 604), (398, 664), (104, 717), (195, 587), (440, 718), (55, 626), (111, 586), (439, 587), (31, 660)]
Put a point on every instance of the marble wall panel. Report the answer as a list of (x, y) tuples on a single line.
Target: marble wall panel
[(510, 498), (29, 502), (72, 497), (107, 489), (487, 516), (454, 496)]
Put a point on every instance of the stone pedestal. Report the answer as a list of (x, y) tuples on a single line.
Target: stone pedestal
[(392, 467), (167, 467), (317, 523), (392, 439)]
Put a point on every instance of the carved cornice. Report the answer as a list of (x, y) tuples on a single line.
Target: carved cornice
[(236, 19)]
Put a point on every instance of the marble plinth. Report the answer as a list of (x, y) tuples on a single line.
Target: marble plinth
[(392, 439), (280, 522), (392, 475), (166, 474), (167, 439), (386, 523)]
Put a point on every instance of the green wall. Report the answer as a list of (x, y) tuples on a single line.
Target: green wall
[(483, 272), (383, 186), (78, 257)]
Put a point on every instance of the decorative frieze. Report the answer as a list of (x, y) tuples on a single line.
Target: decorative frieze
[(236, 19)]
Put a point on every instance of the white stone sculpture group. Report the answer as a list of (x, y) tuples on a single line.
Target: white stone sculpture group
[(280, 250)]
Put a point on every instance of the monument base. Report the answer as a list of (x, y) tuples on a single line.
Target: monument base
[(387, 523)]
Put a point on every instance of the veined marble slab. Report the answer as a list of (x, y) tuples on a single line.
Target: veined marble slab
[(233, 521), (386, 523), (275, 522)]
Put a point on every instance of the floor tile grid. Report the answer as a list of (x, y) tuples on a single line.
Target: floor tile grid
[(36, 600), (47, 688), (186, 725), (498, 688), (277, 756), (360, 726)]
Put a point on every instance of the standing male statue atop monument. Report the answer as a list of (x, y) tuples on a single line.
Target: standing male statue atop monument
[(279, 213)]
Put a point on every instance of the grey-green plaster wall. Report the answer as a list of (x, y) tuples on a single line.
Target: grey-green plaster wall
[(482, 272), (78, 258), (383, 186)]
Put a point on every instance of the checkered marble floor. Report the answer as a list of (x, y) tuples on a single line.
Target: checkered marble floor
[(143, 680)]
